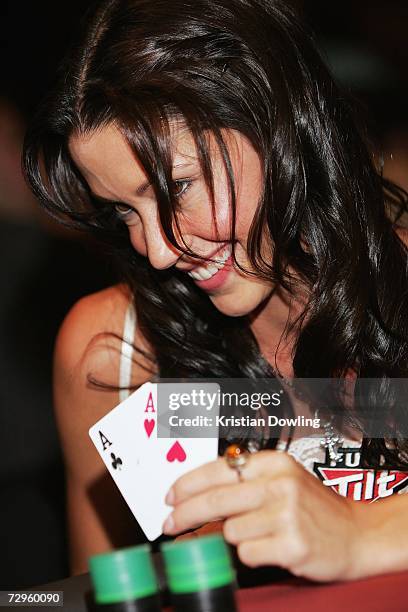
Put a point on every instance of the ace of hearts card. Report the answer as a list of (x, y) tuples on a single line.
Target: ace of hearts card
[(143, 465)]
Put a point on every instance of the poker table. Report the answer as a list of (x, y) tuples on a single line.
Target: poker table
[(288, 594)]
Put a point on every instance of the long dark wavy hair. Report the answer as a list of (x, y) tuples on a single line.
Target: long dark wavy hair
[(251, 66)]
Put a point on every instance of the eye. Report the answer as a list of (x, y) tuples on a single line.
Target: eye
[(180, 188), (123, 210)]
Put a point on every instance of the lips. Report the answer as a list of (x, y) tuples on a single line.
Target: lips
[(218, 279)]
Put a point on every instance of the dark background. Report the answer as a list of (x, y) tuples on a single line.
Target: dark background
[(367, 41), (44, 270)]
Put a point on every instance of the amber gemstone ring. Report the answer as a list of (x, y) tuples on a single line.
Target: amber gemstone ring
[(236, 456)]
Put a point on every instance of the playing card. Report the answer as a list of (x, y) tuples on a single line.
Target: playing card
[(142, 465)]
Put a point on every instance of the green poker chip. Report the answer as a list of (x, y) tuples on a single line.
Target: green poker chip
[(123, 575)]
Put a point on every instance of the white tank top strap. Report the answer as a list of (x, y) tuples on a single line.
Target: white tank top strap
[(126, 352)]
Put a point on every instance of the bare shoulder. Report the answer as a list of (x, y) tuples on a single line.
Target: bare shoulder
[(89, 339), (88, 347), (89, 321)]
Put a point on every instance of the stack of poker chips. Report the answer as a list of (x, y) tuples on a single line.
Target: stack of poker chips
[(125, 580), (199, 574)]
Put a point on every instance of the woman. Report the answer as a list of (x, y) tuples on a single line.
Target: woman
[(208, 145)]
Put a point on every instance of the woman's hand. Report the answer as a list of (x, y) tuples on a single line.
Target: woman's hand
[(279, 515), (207, 529)]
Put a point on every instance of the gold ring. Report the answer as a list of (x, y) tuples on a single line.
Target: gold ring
[(236, 457)]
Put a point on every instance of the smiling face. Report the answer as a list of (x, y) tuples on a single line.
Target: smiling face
[(112, 172)]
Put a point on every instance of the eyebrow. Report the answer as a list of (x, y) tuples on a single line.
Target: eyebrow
[(143, 187)]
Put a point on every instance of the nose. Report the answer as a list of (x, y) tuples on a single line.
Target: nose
[(162, 254), (150, 240)]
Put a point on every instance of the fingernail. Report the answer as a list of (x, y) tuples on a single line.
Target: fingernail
[(170, 497), (168, 524)]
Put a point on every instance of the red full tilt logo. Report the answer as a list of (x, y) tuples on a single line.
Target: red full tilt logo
[(347, 478)]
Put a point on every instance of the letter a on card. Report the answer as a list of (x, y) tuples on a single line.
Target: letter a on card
[(150, 404)]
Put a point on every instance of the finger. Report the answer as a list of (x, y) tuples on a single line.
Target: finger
[(213, 474), (260, 523), (279, 550), (218, 473), (215, 503), (207, 529)]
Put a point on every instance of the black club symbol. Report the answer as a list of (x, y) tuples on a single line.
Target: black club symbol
[(116, 461)]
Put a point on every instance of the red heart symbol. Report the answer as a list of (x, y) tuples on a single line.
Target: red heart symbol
[(149, 426), (176, 452)]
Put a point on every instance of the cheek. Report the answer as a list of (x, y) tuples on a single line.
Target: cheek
[(205, 221), (246, 210), (137, 239), (201, 223)]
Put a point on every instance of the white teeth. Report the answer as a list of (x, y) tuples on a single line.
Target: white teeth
[(212, 269), (206, 272)]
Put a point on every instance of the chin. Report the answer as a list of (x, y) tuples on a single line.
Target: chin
[(238, 307)]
